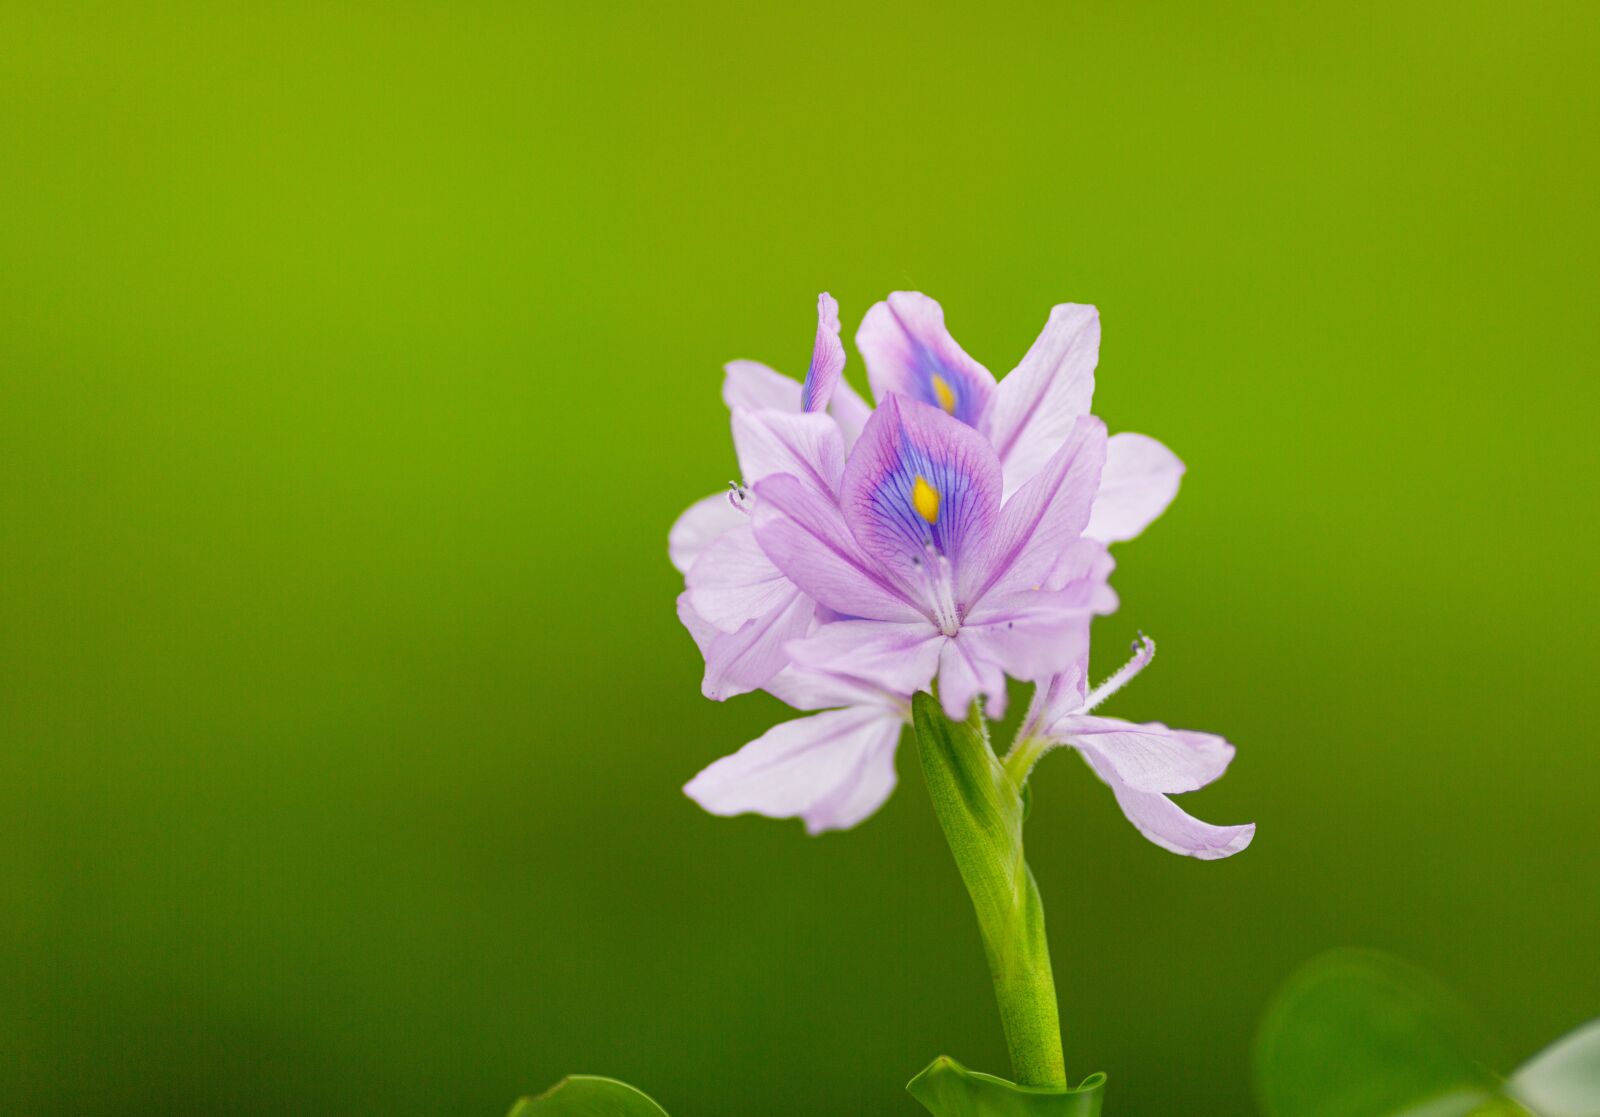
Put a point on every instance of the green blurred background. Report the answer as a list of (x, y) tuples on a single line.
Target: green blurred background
[(354, 361)]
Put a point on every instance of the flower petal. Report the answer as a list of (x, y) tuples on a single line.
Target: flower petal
[(1217, 751), (700, 524), (807, 445), (1053, 698), (755, 387), (1159, 818), (1082, 571), (966, 673), (896, 658), (831, 769), (1147, 757), (1047, 514), (1036, 405), (739, 662), (807, 689), (1140, 479), (1172, 828), (919, 479), (850, 411), (734, 581), (827, 358), (909, 352), (1030, 635), (806, 537)]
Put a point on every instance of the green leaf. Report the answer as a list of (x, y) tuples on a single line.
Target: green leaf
[(980, 809), (588, 1095), (948, 1089), (1563, 1080), (1356, 1034)]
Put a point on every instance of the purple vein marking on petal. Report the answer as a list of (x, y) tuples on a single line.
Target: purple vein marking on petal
[(758, 627), (884, 497), (1021, 540), (931, 364), (805, 745), (827, 357), (822, 482), (972, 664), (870, 575), (779, 433), (1017, 428), (1038, 399), (1004, 452)]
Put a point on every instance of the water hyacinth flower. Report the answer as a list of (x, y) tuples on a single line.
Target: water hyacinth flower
[(961, 540), (874, 567), (1142, 764), (939, 579)]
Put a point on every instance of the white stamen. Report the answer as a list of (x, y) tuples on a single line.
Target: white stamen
[(941, 591), (1144, 650)]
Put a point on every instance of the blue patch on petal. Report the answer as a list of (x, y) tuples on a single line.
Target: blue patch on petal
[(903, 519)]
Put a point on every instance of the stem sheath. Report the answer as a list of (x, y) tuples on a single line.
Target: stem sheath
[(979, 806)]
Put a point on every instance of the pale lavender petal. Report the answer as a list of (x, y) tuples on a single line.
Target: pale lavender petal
[(1172, 828), (1061, 694), (1030, 634), (702, 630), (734, 581), (1036, 405), (965, 674), (897, 658), (1217, 751), (910, 353), (1047, 515), (704, 521), (1140, 479), (919, 481), (806, 689), (832, 770), (1080, 573), (739, 662), (807, 538), (807, 446), (1147, 757), (1163, 821), (756, 387), (827, 358), (850, 411)]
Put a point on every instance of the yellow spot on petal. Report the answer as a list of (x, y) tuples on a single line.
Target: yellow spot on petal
[(925, 499), (946, 394)]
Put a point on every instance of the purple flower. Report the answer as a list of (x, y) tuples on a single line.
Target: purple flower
[(1028, 415), (739, 608), (935, 576), (1142, 764), (957, 533)]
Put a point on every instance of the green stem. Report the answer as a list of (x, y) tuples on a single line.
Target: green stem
[(980, 808), (1026, 991)]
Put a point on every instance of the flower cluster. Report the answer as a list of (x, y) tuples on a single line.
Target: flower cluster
[(952, 537)]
